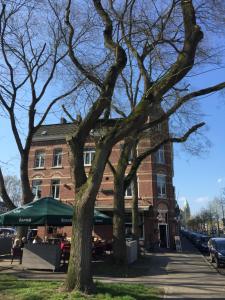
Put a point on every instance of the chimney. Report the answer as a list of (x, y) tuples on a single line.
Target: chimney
[(63, 121)]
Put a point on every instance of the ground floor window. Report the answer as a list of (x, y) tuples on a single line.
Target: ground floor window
[(55, 187), (128, 225), (36, 188)]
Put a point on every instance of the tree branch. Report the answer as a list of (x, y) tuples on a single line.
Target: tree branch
[(156, 147), (74, 59), (3, 193)]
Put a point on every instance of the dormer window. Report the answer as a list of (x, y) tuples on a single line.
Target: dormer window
[(39, 160)]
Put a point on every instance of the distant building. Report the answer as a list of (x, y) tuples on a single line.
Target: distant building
[(185, 214)]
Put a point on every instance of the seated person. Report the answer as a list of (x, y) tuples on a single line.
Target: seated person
[(16, 251), (37, 240)]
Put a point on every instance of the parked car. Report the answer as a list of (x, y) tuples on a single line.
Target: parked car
[(7, 231), (202, 243), (217, 250)]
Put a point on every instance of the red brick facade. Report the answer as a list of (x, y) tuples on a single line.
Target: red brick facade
[(157, 212)]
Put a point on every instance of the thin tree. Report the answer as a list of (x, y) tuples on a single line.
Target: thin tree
[(30, 59)]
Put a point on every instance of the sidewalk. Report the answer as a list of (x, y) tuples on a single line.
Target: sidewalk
[(185, 275)]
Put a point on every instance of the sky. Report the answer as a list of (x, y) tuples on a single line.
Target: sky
[(200, 179), (196, 179)]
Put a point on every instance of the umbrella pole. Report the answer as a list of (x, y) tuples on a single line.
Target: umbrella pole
[(45, 231)]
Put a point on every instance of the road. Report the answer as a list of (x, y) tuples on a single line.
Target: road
[(187, 275)]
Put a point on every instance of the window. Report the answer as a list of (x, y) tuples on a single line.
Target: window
[(36, 188), (131, 154), (89, 156), (160, 156), (55, 186), (57, 158), (131, 157), (161, 185), (129, 191), (39, 160), (128, 226)]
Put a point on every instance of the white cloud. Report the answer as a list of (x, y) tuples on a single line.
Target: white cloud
[(220, 180), (202, 200), (182, 199)]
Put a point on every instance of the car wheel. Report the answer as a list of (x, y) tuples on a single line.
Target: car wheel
[(217, 262), (211, 258)]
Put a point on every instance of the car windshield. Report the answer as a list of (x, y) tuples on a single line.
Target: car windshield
[(220, 245)]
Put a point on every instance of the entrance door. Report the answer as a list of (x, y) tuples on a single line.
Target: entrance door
[(163, 236)]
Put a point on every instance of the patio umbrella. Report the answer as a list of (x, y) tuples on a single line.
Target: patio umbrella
[(45, 211), (100, 218)]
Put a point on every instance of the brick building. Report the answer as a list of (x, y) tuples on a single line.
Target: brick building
[(49, 173)]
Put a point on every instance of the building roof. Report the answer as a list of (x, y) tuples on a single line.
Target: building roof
[(54, 131), (60, 131)]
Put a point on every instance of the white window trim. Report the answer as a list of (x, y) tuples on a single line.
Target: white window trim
[(37, 189), (91, 153), (129, 196), (40, 158), (56, 185), (161, 195), (59, 154)]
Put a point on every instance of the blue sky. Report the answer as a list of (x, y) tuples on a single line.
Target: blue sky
[(197, 179), (200, 179)]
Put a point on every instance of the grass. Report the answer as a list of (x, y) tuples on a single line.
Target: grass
[(13, 289)]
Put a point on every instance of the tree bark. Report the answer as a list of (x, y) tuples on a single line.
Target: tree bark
[(135, 214), (79, 275), (119, 242), (27, 195)]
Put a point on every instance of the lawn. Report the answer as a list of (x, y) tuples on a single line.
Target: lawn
[(13, 289)]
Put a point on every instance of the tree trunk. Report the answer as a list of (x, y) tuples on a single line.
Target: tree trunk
[(119, 242), (135, 214), (27, 195), (79, 275)]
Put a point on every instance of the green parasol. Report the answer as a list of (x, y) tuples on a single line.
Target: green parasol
[(45, 211)]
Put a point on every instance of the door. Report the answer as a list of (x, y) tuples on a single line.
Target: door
[(163, 236)]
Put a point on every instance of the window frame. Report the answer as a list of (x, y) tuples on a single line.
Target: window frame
[(159, 185), (128, 225), (56, 188), (57, 157), (129, 188), (91, 153), (40, 158), (160, 155), (37, 188)]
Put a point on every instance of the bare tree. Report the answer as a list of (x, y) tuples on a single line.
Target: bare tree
[(13, 188), (185, 36), (31, 57)]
